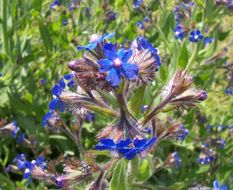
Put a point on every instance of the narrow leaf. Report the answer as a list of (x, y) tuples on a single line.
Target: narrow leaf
[(118, 178)]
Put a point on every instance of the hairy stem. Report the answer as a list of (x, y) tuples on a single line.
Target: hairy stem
[(156, 110)]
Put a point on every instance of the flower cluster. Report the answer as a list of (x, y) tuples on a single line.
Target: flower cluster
[(183, 13), (26, 166), (109, 71), (9, 129), (227, 3), (206, 156), (142, 24), (13, 130), (61, 6)]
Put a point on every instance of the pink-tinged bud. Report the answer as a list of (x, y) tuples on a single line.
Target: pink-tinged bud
[(94, 38), (202, 96), (73, 64)]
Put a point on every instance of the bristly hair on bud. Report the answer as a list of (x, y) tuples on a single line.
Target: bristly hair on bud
[(180, 82), (171, 129), (146, 57), (88, 74), (189, 98)]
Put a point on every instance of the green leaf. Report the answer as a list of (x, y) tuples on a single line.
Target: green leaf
[(177, 185), (137, 100), (144, 170), (6, 183), (163, 73), (183, 56), (45, 35), (200, 3), (118, 179), (203, 169)]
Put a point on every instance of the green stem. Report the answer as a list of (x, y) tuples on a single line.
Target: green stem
[(193, 58), (4, 26), (194, 55), (164, 38), (156, 111)]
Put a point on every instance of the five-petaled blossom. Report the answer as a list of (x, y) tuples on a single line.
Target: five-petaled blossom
[(195, 36), (116, 64)]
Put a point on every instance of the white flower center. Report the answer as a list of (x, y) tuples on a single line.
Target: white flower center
[(117, 62), (94, 38)]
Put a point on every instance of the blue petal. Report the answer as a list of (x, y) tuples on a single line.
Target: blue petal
[(61, 106), (127, 54), (124, 150), (88, 47), (106, 37), (216, 184), (130, 70), (110, 51), (131, 154), (56, 90), (26, 175), (223, 187), (40, 160), (68, 77), (71, 83), (102, 147), (123, 143), (62, 83), (107, 142), (139, 143), (114, 77), (21, 164), (149, 143), (53, 104), (105, 65)]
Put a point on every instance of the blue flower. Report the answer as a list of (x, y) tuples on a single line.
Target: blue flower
[(146, 19), (89, 117), (179, 32), (15, 129), (207, 41), (57, 90), (229, 91), (21, 138), (64, 22), (144, 108), (206, 157), (43, 81), (195, 36), (175, 158), (55, 3), (137, 3), (221, 128), (20, 160), (116, 64), (216, 186), (140, 25), (139, 146), (95, 39), (182, 132)]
